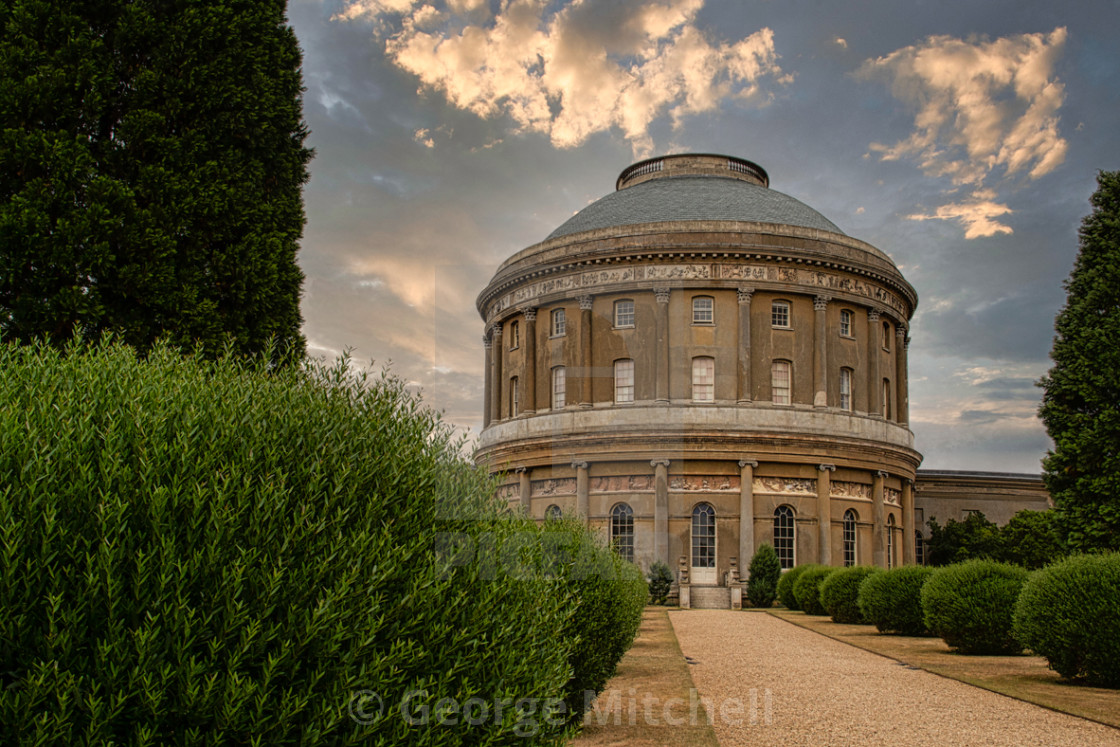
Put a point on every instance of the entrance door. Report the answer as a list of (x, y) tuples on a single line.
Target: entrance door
[(703, 572)]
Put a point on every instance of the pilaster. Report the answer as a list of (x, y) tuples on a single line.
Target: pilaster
[(824, 513), (661, 359), (744, 369), (661, 509), (746, 514)]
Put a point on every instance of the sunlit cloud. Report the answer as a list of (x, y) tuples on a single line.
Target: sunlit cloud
[(568, 73), (983, 110)]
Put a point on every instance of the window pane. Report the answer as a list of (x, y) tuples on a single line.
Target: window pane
[(703, 536), (784, 535), (845, 389), (702, 310), (558, 387), (703, 379), (624, 314), (622, 531), (624, 381), (514, 335), (559, 322), (780, 383), (514, 403), (553, 512), (846, 323), (779, 314), (849, 537)]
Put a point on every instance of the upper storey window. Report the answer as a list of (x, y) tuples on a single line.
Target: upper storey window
[(703, 310), (845, 323), (559, 388), (559, 323), (779, 314), (846, 389), (624, 381), (886, 335), (514, 335), (623, 314), (781, 383), (703, 380)]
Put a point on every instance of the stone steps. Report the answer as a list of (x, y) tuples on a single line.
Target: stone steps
[(709, 597)]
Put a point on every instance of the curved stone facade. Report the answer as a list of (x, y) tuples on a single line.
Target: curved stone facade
[(699, 377)]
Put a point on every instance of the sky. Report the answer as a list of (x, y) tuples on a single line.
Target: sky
[(961, 138)]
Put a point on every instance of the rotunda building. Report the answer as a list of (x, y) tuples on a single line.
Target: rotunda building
[(697, 364)]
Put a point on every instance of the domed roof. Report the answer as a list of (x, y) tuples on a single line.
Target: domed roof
[(694, 187)]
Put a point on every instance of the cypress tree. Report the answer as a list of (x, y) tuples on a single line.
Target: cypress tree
[(152, 162), (1081, 400)]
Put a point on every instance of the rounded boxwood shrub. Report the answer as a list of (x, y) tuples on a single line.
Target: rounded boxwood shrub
[(660, 582), (785, 585), (892, 600), (763, 576), (840, 592), (1069, 613), (219, 552), (969, 605), (807, 589)]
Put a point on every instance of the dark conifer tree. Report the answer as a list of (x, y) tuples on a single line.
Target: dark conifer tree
[(1081, 403), (152, 162)]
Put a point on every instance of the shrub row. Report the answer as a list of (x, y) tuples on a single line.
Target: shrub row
[(220, 552), (840, 593)]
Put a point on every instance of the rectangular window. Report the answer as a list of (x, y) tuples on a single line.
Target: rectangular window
[(514, 401), (559, 384), (559, 323), (845, 323), (780, 383), (886, 336), (624, 381), (703, 380), (779, 314), (514, 335), (886, 398), (624, 314), (703, 310), (846, 389)]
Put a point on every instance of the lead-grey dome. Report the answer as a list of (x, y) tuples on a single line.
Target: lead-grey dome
[(688, 188)]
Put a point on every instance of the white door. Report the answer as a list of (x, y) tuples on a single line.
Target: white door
[(703, 571)]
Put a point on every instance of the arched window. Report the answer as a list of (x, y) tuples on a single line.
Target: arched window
[(890, 541), (624, 380), (886, 335), (559, 323), (703, 380), (784, 535), (779, 314), (887, 399), (559, 388), (919, 548), (703, 310), (622, 531), (514, 398), (703, 536), (850, 544), (514, 335), (846, 389), (552, 512), (781, 382), (624, 313), (845, 323)]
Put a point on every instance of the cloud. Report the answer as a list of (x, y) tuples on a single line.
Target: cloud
[(568, 73), (983, 108)]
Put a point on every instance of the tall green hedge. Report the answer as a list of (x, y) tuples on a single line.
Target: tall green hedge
[(1069, 613), (839, 593), (892, 600), (216, 552), (969, 605)]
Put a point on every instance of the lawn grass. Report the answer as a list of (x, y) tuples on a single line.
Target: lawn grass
[(654, 667), (1026, 678)]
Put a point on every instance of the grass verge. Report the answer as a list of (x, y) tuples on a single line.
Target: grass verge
[(1026, 678), (653, 671)]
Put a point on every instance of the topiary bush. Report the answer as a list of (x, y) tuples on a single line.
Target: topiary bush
[(840, 591), (969, 605), (220, 552), (660, 582), (1069, 613), (786, 583), (764, 573), (892, 600), (807, 589)]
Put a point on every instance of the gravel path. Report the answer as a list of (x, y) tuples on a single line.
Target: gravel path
[(795, 687)]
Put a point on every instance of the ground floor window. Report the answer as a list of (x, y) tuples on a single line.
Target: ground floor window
[(622, 531), (890, 541), (850, 520), (784, 535)]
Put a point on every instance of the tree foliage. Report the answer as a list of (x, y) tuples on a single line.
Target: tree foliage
[(763, 575), (151, 172), (1081, 399), (956, 541)]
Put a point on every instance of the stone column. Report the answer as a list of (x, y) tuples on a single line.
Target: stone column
[(824, 513), (585, 350), (529, 398), (486, 395), (745, 395), (901, 376), (496, 381), (874, 381), (661, 356), (878, 511), (746, 515), (525, 486), (820, 351), (908, 556), (583, 499), (661, 510)]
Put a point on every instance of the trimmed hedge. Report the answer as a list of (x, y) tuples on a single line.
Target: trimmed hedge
[(219, 552), (1069, 613), (892, 600), (785, 585), (840, 591), (660, 582), (969, 605), (807, 589), (763, 576)]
